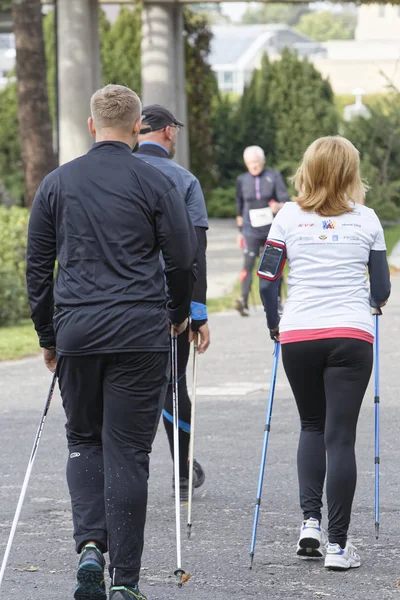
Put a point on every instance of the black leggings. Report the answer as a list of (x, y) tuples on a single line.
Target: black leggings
[(184, 407), (328, 378), (253, 248)]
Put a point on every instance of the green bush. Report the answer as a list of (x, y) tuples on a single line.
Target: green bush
[(13, 304), (13, 239), (221, 203)]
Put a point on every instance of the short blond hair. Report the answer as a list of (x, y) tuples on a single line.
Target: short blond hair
[(115, 107), (329, 177)]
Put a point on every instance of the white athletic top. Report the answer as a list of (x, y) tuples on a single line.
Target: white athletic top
[(328, 258)]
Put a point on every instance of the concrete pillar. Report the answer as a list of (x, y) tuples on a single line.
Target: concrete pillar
[(163, 65), (79, 73)]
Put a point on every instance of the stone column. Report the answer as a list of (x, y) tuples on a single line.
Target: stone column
[(163, 65), (79, 73)]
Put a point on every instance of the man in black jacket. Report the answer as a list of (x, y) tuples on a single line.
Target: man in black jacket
[(106, 216), (260, 193), (157, 144)]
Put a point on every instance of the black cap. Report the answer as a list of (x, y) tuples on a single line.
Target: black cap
[(155, 117)]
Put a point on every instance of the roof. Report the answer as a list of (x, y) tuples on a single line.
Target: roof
[(231, 42)]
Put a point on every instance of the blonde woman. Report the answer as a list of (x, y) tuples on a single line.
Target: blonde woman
[(327, 331)]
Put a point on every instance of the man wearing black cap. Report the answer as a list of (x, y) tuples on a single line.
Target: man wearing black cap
[(157, 144)]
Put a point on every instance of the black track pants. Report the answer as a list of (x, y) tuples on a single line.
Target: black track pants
[(113, 405), (253, 247), (184, 407), (329, 379), (252, 250)]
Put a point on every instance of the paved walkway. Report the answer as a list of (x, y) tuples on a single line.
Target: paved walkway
[(224, 257), (233, 385)]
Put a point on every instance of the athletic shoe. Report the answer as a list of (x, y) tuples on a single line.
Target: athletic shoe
[(126, 593), (309, 545), (339, 559), (241, 307), (90, 575), (199, 478)]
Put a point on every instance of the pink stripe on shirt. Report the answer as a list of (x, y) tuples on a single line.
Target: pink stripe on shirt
[(306, 335)]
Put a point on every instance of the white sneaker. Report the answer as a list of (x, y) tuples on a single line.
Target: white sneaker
[(338, 559), (309, 545)]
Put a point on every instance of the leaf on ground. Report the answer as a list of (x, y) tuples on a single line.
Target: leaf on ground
[(29, 569), (320, 594), (397, 584)]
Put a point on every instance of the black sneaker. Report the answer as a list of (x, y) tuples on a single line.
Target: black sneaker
[(241, 307), (90, 575), (126, 593), (199, 478)]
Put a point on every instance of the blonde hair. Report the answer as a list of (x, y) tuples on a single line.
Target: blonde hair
[(329, 177), (115, 107)]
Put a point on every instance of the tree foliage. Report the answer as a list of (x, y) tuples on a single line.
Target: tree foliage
[(11, 170), (120, 48), (201, 87), (324, 26), (302, 104), (288, 14), (378, 141), (286, 105)]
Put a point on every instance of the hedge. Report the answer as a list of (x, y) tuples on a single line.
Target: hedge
[(13, 239)]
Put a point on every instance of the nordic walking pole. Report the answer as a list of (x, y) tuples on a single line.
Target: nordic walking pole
[(27, 477), (376, 312), (179, 572), (192, 424), (264, 452)]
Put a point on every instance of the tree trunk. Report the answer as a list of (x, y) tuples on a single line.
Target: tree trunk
[(33, 105)]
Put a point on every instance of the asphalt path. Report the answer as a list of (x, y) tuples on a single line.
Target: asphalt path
[(232, 399)]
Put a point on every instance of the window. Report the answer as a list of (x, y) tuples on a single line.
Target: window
[(228, 78), (227, 81), (382, 10)]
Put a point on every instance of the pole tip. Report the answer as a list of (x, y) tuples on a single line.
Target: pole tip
[(251, 560), (377, 530), (189, 531), (182, 576)]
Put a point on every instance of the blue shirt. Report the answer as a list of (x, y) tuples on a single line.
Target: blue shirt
[(185, 181)]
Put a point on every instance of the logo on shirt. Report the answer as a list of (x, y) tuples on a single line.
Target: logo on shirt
[(335, 238), (328, 224), (351, 225), (305, 225), (323, 237)]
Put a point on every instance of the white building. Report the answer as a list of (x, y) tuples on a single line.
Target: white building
[(236, 50), (371, 59), (366, 62)]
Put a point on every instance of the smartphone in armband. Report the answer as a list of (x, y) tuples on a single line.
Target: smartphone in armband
[(272, 261)]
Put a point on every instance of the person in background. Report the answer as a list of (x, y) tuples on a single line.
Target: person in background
[(103, 324), (157, 143), (260, 194), (327, 331)]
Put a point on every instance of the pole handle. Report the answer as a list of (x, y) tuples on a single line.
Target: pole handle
[(376, 311)]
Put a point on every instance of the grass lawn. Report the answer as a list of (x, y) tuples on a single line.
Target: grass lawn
[(18, 341), (392, 236)]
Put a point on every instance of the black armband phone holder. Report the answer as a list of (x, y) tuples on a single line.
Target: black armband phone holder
[(272, 260)]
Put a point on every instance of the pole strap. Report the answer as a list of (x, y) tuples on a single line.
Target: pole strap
[(377, 399), (267, 428), (377, 460)]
